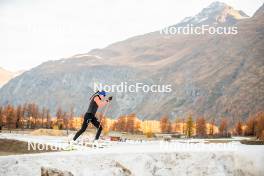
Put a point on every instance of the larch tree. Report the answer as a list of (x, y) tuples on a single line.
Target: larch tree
[(59, 116), (189, 126), (260, 125), (42, 116), (10, 114), (238, 129), (223, 127), (48, 117), (177, 125), (71, 117), (211, 127), (19, 116), (165, 125), (251, 126), (201, 127)]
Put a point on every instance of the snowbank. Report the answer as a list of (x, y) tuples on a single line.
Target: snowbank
[(146, 159)]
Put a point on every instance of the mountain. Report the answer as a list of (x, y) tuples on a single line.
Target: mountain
[(210, 75), (259, 12), (6, 75), (215, 14)]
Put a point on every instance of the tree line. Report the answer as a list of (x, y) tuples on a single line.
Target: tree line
[(127, 123), (253, 126), (31, 116), (26, 116)]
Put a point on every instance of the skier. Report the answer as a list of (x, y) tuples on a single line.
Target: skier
[(97, 101)]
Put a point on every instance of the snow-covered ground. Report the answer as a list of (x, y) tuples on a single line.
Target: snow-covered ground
[(180, 157)]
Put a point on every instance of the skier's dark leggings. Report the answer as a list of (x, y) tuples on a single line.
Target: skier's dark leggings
[(89, 118)]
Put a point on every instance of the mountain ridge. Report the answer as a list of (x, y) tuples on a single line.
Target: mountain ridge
[(6, 75), (211, 75), (216, 13)]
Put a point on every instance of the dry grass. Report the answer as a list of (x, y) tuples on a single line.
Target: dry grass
[(15, 147), (217, 141), (252, 142), (48, 132)]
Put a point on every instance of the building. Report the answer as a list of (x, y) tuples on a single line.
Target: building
[(150, 126)]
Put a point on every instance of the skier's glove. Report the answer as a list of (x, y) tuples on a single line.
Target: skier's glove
[(110, 98)]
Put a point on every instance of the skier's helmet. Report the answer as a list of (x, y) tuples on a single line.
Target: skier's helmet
[(103, 93)]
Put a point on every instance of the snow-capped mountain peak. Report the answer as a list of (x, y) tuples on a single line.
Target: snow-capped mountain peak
[(216, 13), (217, 4)]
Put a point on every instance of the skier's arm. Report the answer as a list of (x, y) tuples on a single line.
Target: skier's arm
[(99, 102)]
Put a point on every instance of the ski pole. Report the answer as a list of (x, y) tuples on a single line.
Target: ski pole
[(106, 109)]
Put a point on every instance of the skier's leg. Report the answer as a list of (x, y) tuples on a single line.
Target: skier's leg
[(97, 124), (84, 126)]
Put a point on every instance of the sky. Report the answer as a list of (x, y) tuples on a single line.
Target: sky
[(34, 31)]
